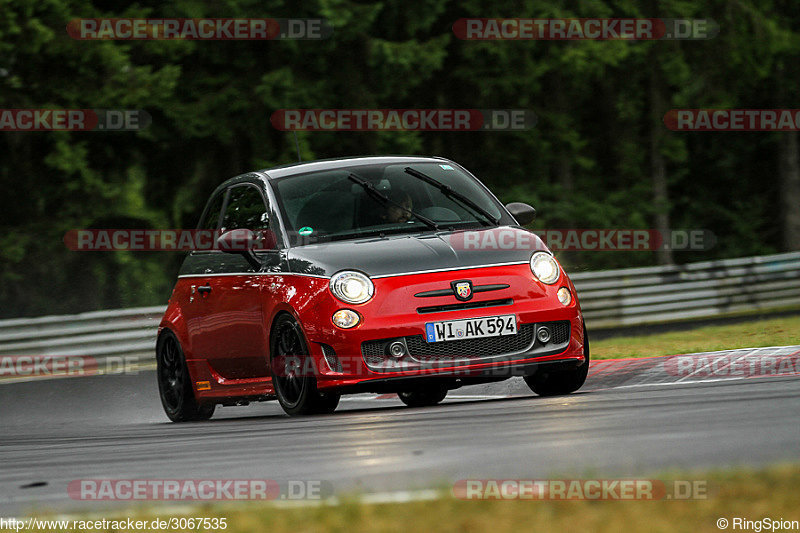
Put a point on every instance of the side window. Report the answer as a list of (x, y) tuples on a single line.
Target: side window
[(211, 218), (245, 210)]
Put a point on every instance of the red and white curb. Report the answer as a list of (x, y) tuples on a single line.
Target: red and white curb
[(773, 361)]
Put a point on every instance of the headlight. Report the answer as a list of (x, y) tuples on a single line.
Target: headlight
[(544, 267), (352, 287)]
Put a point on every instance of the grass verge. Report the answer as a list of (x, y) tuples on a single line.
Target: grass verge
[(771, 332), (740, 493)]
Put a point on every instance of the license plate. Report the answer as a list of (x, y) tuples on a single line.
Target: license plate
[(471, 328)]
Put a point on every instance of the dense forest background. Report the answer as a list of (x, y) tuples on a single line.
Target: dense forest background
[(599, 156)]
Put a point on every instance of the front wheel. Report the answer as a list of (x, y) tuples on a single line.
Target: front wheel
[(294, 381), (558, 382), (423, 397), (175, 384)]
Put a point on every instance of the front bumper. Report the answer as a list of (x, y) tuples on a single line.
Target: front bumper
[(351, 359)]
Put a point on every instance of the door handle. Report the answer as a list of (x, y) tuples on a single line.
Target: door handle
[(204, 289)]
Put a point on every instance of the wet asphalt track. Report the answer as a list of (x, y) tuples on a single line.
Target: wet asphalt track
[(55, 431)]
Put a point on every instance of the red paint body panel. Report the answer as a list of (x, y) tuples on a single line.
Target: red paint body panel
[(225, 333)]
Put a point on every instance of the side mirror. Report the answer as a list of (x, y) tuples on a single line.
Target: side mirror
[(523, 213), (240, 241)]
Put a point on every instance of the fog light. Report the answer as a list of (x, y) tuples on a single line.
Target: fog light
[(543, 334), (346, 319), (397, 349), (564, 296)]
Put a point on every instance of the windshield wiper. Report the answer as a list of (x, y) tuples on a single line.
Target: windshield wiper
[(452, 193), (375, 193), (372, 233)]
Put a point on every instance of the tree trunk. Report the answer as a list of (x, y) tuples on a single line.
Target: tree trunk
[(658, 170), (564, 153), (789, 170), (564, 172)]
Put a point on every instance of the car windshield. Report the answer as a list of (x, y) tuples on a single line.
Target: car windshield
[(368, 200)]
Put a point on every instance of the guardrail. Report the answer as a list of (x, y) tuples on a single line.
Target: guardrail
[(122, 332), (633, 296), (609, 298)]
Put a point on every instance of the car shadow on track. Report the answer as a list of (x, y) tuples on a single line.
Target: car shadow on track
[(349, 412)]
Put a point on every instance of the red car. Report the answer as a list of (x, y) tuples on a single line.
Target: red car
[(373, 274)]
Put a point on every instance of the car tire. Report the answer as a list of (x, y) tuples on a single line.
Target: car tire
[(298, 395), (175, 383), (559, 382), (423, 397)]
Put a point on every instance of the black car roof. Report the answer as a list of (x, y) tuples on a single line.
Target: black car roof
[(322, 164), (327, 164)]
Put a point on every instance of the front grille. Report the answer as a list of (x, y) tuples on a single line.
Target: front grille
[(560, 331), (375, 349), (468, 305), (374, 359), (475, 289), (375, 352)]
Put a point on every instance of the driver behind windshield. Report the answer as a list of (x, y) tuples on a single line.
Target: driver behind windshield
[(393, 213)]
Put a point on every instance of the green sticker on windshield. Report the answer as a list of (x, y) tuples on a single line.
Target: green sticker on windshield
[(446, 167), (305, 230)]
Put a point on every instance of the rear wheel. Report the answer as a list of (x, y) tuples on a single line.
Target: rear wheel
[(423, 397), (294, 380), (175, 384), (558, 382)]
